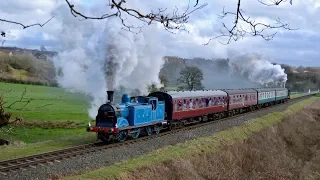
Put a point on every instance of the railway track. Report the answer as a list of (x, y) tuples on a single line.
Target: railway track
[(56, 156)]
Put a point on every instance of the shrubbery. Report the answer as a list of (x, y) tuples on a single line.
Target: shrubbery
[(38, 72)]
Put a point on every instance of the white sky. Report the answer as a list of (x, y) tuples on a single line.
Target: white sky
[(298, 47)]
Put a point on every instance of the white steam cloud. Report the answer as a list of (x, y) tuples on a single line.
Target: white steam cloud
[(131, 60), (258, 70), (88, 47)]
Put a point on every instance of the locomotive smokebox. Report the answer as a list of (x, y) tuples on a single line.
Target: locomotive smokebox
[(110, 96)]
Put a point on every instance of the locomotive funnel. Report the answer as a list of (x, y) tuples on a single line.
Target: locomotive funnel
[(110, 96)]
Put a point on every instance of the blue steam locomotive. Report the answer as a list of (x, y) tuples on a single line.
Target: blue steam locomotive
[(127, 118)]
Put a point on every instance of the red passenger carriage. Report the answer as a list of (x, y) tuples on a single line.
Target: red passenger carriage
[(189, 104), (240, 99)]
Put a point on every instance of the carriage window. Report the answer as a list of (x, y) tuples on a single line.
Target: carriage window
[(197, 103), (207, 102), (179, 106), (246, 97), (204, 102), (175, 106), (184, 104), (190, 104)]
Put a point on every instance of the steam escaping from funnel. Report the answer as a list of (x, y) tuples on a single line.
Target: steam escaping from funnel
[(258, 70), (131, 60), (110, 67), (95, 56)]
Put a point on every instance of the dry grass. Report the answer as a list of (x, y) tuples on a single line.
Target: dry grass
[(289, 150), (52, 124)]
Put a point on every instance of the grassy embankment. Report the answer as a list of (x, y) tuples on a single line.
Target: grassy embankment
[(54, 119), (267, 147)]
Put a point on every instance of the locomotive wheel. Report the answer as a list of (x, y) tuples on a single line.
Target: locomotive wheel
[(157, 129), (121, 136), (136, 133), (104, 137), (149, 131)]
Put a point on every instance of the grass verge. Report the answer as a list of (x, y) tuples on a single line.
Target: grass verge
[(22, 150), (191, 148)]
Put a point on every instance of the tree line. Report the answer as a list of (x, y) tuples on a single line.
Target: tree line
[(190, 79)]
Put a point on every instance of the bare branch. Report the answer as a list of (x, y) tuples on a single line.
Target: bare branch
[(196, 3), (75, 13), (169, 22), (237, 32), (42, 106), (273, 2), (20, 101), (25, 26)]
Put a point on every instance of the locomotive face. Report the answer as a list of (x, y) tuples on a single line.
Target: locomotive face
[(107, 115), (110, 115)]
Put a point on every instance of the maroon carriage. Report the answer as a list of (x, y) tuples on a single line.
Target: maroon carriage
[(241, 98), (188, 104)]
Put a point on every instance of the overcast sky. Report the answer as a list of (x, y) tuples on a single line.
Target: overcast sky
[(299, 47)]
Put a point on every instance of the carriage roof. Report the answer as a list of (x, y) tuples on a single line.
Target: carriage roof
[(190, 94), (269, 89), (239, 91), (265, 89)]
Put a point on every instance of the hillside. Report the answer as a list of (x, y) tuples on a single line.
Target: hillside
[(27, 66), (217, 74), (36, 67)]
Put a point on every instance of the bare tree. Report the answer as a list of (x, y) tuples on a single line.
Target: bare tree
[(176, 20), (190, 78), (236, 31), (6, 124), (169, 21)]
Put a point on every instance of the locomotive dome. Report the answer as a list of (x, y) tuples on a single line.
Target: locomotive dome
[(125, 98)]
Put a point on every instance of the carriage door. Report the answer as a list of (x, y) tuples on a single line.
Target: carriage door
[(154, 103)]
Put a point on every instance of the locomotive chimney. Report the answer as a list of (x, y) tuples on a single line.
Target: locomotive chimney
[(110, 96)]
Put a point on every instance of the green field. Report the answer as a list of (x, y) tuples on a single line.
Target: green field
[(52, 113), (48, 104)]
